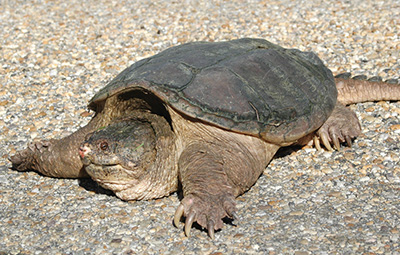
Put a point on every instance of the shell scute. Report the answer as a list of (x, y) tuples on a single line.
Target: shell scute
[(249, 86)]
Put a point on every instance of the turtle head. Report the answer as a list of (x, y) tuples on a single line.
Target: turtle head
[(118, 156)]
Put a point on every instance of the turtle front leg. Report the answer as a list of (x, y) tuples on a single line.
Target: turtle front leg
[(212, 176), (209, 196), (55, 158)]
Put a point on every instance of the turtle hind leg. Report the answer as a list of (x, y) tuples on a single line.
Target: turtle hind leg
[(55, 158), (341, 126)]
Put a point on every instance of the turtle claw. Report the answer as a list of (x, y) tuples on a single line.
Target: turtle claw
[(317, 144), (178, 214), (210, 227), (325, 141), (188, 223), (348, 141), (340, 127), (189, 220), (208, 212), (332, 139), (335, 141)]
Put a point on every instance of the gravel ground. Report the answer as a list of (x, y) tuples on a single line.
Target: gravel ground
[(54, 55)]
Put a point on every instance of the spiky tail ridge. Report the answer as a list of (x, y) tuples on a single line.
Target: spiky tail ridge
[(351, 91)]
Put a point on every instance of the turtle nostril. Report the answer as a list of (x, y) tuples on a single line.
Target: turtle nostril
[(82, 152)]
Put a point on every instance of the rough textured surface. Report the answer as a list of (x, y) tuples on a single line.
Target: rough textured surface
[(55, 55), (223, 83)]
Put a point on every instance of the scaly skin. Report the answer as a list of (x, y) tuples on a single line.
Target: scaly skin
[(343, 125), (55, 158), (130, 157), (215, 165), (356, 91)]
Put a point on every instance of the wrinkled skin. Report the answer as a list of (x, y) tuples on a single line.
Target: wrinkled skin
[(213, 165), (117, 156), (129, 157), (140, 147), (341, 126)]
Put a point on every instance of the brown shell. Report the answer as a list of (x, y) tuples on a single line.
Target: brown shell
[(249, 86)]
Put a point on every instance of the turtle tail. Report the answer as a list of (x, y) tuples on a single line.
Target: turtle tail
[(351, 91)]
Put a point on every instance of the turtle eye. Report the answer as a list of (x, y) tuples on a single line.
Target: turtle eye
[(103, 146)]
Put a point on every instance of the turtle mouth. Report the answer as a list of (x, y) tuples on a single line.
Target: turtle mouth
[(97, 169), (87, 162), (110, 176), (115, 185), (86, 155)]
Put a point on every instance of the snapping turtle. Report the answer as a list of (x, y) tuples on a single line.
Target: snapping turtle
[(208, 115)]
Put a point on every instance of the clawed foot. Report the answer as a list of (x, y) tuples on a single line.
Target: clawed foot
[(208, 212), (330, 137), (341, 126), (26, 159)]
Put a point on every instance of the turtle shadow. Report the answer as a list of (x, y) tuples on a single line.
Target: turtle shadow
[(90, 185), (286, 151), (282, 152), (196, 226)]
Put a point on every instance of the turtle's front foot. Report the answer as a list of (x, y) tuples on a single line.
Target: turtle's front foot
[(27, 159), (55, 158), (341, 126), (207, 210)]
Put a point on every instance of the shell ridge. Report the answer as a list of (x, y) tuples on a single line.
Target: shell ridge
[(247, 85)]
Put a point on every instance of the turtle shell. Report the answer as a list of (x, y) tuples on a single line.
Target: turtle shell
[(247, 85)]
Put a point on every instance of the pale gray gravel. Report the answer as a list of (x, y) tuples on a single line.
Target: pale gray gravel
[(54, 55)]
